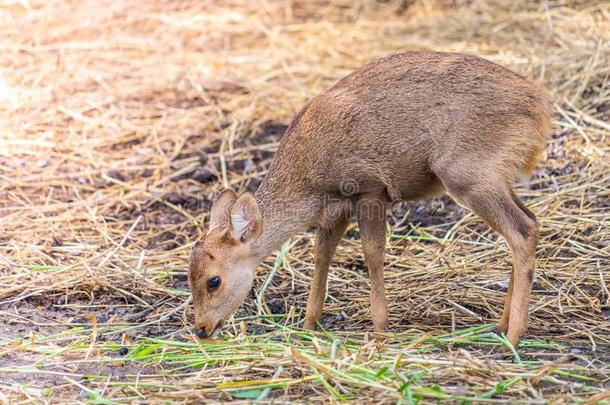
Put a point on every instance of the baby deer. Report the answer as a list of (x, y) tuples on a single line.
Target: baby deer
[(408, 126)]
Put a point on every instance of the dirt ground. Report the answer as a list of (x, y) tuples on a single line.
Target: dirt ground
[(121, 121)]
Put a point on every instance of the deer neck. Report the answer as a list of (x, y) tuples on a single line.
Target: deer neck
[(285, 212)]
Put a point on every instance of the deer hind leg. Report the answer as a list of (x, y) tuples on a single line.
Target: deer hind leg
[(326, 243), (501, 210), (372, 223)]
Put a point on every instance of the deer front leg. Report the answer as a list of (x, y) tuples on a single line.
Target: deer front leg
[(505, 317), (326, 243), (371, 220)]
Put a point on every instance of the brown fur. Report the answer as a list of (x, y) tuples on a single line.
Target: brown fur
[(407, 126)]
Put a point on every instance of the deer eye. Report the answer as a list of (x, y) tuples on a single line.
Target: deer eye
[(214, 282)]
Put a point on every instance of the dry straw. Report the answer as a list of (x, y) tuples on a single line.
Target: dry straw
[(120, 121)]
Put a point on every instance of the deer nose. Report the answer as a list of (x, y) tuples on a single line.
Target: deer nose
[(201, 333)]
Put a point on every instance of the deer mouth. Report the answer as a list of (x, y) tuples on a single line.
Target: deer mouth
[(216, 331)]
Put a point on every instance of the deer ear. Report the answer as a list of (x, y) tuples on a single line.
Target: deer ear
[(220, 216), (246, 221)]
